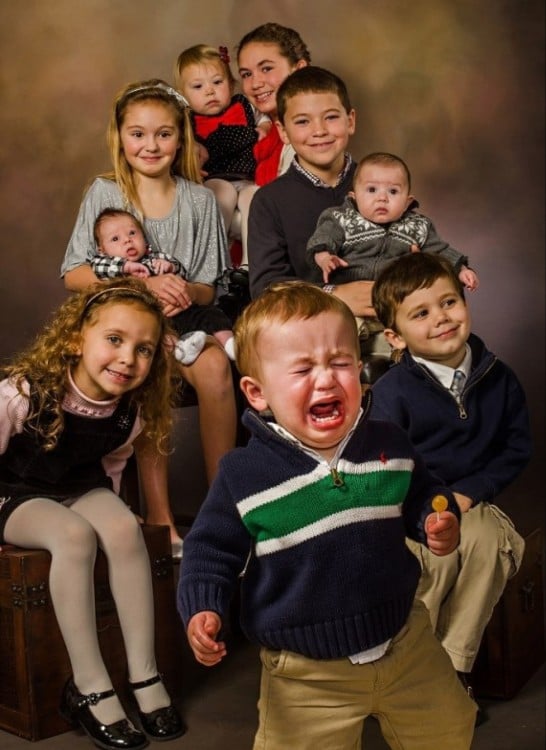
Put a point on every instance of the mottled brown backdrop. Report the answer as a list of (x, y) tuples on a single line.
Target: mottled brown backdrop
[(453, 86)]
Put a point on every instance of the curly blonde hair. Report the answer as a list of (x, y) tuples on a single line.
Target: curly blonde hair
[(46, 362)]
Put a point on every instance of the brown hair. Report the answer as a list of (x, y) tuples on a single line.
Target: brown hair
[(311, 79), (280, 303), (403, 277), (112, 213), (289, 42), (385, 159)]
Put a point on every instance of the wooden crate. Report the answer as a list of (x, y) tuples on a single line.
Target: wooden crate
[(512, 647), (34, 664)]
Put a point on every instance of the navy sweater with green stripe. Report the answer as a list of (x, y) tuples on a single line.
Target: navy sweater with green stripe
[(329, 573)]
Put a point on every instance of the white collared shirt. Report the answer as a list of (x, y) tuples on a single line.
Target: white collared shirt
[(444, 373)]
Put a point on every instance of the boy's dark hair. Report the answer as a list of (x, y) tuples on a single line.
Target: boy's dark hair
[(109, 213), (403, 277), (384, 159), (311, 79)]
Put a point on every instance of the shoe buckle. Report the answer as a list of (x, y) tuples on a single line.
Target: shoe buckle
[(93, 698), (89, 700)]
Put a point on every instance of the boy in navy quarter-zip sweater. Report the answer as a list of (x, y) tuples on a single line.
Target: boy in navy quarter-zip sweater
[(475, 436), (323, 497)]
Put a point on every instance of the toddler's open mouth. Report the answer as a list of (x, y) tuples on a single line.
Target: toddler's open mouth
[(326, 411)]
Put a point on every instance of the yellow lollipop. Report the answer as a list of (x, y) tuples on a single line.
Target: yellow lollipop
[(439, 504)]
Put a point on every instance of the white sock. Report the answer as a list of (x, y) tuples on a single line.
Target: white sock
[(229, 348), (189, 347)]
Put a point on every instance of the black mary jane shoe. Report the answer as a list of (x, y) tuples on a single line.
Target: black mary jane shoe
[(120, 735), (163, 723)]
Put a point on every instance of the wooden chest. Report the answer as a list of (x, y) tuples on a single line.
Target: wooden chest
[(33, 660), (512, 647)]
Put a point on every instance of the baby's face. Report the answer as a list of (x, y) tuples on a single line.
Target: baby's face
[(206, 87), (121, 236), (381, 193)]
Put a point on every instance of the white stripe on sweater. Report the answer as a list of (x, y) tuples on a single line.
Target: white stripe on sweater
[(334, 521), (321, 471)]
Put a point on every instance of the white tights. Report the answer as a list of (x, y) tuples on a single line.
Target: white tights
[(71, 535), (232, 195)]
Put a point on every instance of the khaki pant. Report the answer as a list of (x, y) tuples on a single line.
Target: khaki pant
[(310, 704), (460, 590)]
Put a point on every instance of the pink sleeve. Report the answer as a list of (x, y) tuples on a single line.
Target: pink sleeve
[(114, 462), (13, 411)]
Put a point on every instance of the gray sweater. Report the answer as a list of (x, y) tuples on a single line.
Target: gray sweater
[(369, 247), (193, 232)]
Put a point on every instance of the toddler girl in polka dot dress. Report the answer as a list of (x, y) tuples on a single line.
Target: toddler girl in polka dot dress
[(226, 127)]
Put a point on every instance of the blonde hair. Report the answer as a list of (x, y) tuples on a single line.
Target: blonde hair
[(280, 303), (201, 54), (155, 90), (45, 363)]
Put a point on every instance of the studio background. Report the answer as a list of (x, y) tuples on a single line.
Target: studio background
[(455, 87)]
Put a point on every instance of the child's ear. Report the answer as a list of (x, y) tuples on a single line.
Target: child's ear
[(253, 392), (351, 118), (282, 132), (410, 200), (394, 339)]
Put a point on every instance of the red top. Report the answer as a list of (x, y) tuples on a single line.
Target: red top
[(267, 153)]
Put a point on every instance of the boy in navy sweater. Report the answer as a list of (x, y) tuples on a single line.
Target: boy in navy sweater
[(316, 118), (474, 436), (315, 511)]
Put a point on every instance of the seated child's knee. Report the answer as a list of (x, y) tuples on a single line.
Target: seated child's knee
[(79, 538)]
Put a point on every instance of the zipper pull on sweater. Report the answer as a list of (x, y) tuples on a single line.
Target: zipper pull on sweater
[(337, 480)]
